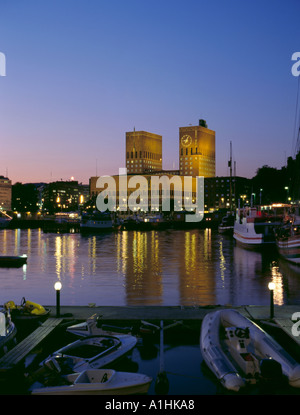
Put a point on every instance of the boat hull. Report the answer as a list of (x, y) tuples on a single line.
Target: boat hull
[(228, 230), (247, 236), (289, 248), (96, 227), (253, 229), (120, 383), (12, 261)]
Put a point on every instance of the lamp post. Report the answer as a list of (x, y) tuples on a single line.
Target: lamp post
[(57, 287), (271, 287), (287, 193)]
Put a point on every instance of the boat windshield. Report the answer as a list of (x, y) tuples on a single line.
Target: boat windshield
[(90, 350)]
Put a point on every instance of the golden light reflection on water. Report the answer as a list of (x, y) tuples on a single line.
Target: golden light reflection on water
[(222, 264), (196, 283), (142, 265), (277, 279), (151, 268), (58, 256), (4, 242), (207, 243), (28, 242), (17, 241)]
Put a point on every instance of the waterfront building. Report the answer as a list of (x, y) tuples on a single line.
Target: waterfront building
[(143, 152), (219, 192), (25, 198), (5, 193), (224, 192), (182, 191), (197, 151), (63, 196)]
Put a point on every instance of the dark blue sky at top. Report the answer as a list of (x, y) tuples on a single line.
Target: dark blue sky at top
[(82, 73)]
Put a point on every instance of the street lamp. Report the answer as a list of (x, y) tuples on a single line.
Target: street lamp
[(58, 287), (271, 287), (287, 193)]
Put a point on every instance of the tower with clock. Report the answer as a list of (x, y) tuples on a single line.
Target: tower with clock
[(197, 150)]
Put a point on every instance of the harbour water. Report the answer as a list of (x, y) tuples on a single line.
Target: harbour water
[(172, 267)]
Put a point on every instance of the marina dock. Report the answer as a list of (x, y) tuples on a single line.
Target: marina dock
[(283, 315), (168, 312), (125, 315), (22, 349)]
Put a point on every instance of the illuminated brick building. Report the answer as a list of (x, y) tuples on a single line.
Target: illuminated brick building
[(5, 193), (143, 152), (197, 151)]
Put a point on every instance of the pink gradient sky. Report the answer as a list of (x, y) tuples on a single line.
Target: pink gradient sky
[(81, 74)]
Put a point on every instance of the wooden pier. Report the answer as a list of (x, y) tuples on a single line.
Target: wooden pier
[(21, 350)]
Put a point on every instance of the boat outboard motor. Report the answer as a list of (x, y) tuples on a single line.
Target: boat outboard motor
[(271, 371)]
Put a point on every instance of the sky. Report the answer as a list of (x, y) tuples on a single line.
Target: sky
[(81, 73)]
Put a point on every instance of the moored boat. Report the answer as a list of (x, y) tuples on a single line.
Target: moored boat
[(98, 222), (10, 261), (28, 310), (288, 241), (227, 224), (132, 223), (99, 382), (239, 352), (94, 327), (153, 222), (92, 352), (254, 228)]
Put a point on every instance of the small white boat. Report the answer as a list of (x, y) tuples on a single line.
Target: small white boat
[(91, 327), (99, 382), (239, 352), (92, 352)]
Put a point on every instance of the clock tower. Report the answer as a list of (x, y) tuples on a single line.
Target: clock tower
[(197, 151)]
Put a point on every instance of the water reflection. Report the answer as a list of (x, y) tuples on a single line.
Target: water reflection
[(143, 276), (195, 267), (277, 280)]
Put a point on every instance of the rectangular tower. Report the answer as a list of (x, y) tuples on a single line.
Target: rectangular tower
[(143, 152), (197, 151), (5, 193)]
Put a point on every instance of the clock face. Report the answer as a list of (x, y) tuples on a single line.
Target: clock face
[(186, 140)]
